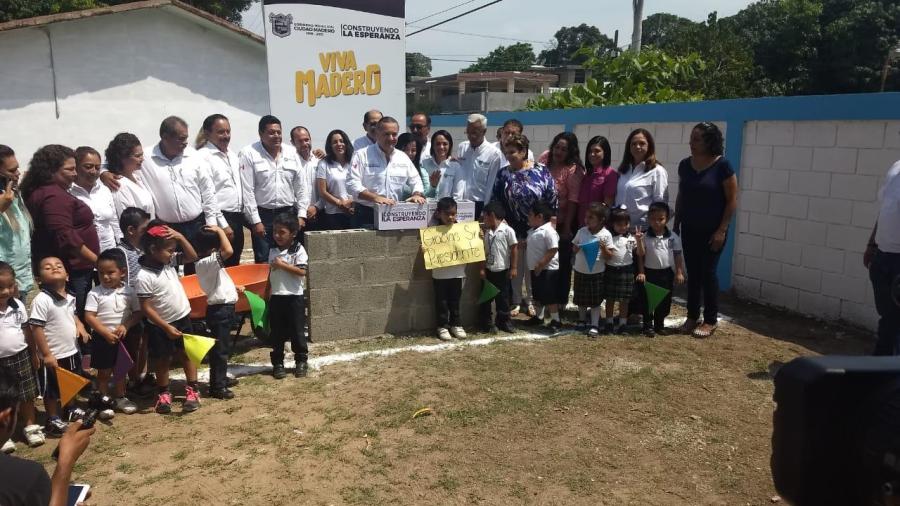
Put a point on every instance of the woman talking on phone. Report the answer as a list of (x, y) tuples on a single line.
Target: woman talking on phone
[(15, 222)]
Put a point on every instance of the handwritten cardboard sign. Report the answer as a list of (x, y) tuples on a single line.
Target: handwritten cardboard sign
[(456, 244)]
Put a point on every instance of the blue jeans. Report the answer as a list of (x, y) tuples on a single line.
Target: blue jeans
[(261, 246), (219, 318), (885, 267)]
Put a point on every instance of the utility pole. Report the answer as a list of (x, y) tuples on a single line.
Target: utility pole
[(638, 9)]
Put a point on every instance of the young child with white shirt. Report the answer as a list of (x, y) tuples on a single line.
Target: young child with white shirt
[(133, 223), (618, 280), (542, 256), (588, 286), (501, 258), (214, 250), (17, 357), (287, 312), (111, 310), (660, 250), (167, 309), (447, 280), (55, 330)]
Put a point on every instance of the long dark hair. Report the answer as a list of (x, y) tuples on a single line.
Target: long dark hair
[(404, 140), (712, 138), (572, 155), (46, 162), (445, 134), (604, 145), (649, 160), (348, 146)]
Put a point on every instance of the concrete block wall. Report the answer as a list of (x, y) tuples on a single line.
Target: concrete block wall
[(808, 203), (365, 283)]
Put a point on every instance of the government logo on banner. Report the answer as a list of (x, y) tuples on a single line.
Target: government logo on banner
[(281, 24)]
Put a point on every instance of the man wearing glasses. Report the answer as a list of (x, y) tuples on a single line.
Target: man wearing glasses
[(370, 123), (420, 128)]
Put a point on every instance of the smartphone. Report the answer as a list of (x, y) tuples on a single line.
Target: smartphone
[(77, 493), (3, 182)]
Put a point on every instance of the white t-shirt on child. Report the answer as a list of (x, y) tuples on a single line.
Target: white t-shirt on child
[(497, 246), (112, 305), (12, 321), (161, 285), (286, 283), (56, 313), (659, 251), (585, 236), (622, 249), (541, 240), (215, 281)]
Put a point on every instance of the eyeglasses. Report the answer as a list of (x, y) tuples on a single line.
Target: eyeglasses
[(416, 126)]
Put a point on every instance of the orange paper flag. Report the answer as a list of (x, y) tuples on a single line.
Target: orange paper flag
[(69, 385)]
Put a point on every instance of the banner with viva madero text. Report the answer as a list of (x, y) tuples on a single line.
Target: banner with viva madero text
[(330, 61)]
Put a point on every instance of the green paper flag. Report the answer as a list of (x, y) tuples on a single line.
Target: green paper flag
[(488, 292), (655, 295), (258, 309), (196, 347)]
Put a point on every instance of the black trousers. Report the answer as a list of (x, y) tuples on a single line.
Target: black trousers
[(261, 246), (883, 270), (564, 283), (501, 280), (189, 229), (363, 216), (287, 322), (447, 293), (236, 222), (337, 221), (701, 263), (664, 278), (219, 318)]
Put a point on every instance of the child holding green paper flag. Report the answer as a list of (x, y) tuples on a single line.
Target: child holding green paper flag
[(499, 268), (661, 251)]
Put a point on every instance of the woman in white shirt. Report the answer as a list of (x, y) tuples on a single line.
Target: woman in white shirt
[(439, 165), (88, 189), (124, 157), (331, 179), (642, 180)]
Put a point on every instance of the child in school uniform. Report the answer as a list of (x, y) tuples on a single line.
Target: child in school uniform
[(660, 249), (499, 268), (55, 330), (589, 281), (111, 310), (542, 257), (618, 280), (287, 316), (16, 357), (447, 281), (214, 249), (167, 310), (133, 223)]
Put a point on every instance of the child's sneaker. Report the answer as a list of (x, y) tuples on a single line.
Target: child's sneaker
[(55, 427), (621, 329), (34, 434), (106, 414), (608, 328), (593, 332), (124, 405), (191, 400), (443, 334), (301, 370), (534, 321), (147, 386), (555, 325), (164, 403), (661, 331), (458, 332), (8, 447), (649, 331)]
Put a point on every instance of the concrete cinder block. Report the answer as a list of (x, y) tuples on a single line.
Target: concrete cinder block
[(892, 135), (750, 245), (583, 131), (853, 265), (747, 287), (541, 133), (864, 214), (823, 258), (754, 201), (807, 232), (844, 287), (792, 158), (786, 252), (402, 242), (766, 270), (387, 270), (779, 295), (767, 225), (816, 184), (841, 160), (363, 298), (815, 133), (618, 133), (801, 277), (669, 133), (423, 318), (360, 243), (409, 293), (792, 206), (332, 274), (335, 327), (819, 306), (876, 162), (854, 187), (743, 222), (737, 266), (772, 180), (745, 178), (847, 237), (598, 130), (775, 133), (757, 156), (749, 134), (323, 301), (830, 210), (863, 315), (861, 134), (320, 245)]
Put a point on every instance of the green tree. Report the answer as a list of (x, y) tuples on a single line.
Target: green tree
[(515, 57), (569, 39), (229, 10), (661, 30), (417, 65)]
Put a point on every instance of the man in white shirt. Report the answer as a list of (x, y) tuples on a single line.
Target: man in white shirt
[(225, 173), (309, 204), (370, 123), (178, 178), (511, 127), (479, 162), (420, 128), (379, 173), (269, 174), (882, 258)]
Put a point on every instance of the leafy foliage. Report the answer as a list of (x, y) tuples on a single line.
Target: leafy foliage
[(230, 10), (515, 57), (417, 65), (569, 39)]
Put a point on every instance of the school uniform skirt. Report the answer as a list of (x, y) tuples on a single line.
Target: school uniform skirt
[(618, 282), (588, 289)]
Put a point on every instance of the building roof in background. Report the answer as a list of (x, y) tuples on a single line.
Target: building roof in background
[(539, 77), (174, 6)]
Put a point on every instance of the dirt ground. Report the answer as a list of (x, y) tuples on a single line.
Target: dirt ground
[(568, 420)]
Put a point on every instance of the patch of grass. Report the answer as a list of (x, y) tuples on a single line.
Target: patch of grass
[(447, 482), (125, 467), (165, 475), (181, 455), (359, 495)]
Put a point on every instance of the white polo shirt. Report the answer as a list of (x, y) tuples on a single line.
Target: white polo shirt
[(541, 240), (372, 170), (269, 182), (215, 281), (161, 285), (888, 234), (660, 251), (12, 323), (112, 305), (56, 314), (181, 187), (134, 194), (584, 236), (225, 173), (638, 188), (285, 283), (306, 185), (106, 219), (497, 246), (622, 249), (335, 176), (452, 182), (479, 167), (362, 143)]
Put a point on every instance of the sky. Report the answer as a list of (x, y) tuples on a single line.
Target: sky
[(512, 21)]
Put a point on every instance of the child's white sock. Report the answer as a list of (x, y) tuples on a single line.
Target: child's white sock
[(595, 316), (554, 316)]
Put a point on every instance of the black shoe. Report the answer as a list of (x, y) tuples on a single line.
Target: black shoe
[(534, 321), (608, 328), (662, 331), (649, 332), (555, 325), (621, 330), (507, 327), (278, 371), (231, 382), (301, 370), (224, 394)]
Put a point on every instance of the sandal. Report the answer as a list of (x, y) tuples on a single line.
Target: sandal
[(688, 326), (703, 331), (531, 310), (514, 311)]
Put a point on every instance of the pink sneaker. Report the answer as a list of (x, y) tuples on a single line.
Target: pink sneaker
[(164, 403), (191, 400)]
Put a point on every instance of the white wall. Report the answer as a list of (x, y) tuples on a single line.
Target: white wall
[(808, 204), (126, 72)]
